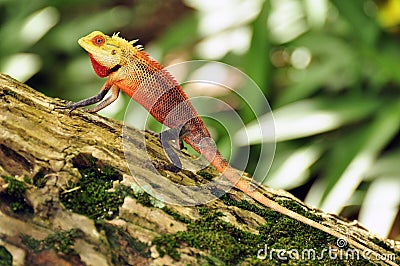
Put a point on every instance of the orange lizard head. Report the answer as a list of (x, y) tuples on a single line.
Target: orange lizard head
[(106, 53)]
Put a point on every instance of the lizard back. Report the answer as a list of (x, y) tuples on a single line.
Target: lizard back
[(153, 87)]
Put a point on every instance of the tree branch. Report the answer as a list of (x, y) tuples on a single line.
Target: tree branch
[(68, 197)]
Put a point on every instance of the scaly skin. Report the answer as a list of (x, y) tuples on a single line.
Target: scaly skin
[(131, 70)]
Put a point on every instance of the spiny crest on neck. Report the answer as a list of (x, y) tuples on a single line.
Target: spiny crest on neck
[(116, 37)]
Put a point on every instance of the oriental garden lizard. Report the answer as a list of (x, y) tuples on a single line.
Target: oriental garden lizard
[(143, 79)]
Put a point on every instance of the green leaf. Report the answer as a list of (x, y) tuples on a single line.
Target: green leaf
[(310, 117), (358, 155), (381, 205), (291, 168), (362, 26), (387, 165), (334, 65)]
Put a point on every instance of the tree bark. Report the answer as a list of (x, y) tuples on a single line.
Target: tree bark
[(68, 197)]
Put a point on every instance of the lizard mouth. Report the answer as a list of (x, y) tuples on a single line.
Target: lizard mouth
[(82, 43), (85, 43)]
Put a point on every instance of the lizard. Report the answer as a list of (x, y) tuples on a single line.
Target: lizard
[(130, 69)]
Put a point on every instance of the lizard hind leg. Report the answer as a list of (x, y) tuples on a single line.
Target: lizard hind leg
[(166, 137)]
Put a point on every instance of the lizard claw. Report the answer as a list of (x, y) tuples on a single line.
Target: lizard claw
[(70, 106)]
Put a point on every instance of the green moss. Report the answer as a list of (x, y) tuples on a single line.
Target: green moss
[(92, 160), (123, 245), (39, 180), (223, 241), (27, 180), (15, 196), (175, 215), (62, 241), (291, 205), (168, 244), (94, 196), (32, 243), (205, 173), (90, 195), (296, 207), (6, 258), (15, 187), (144, 198), (229, 245)]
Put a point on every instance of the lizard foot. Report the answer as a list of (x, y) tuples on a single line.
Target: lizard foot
[(165, 138)]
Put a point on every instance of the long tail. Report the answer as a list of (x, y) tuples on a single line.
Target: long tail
[(234, 176), (240, 183)]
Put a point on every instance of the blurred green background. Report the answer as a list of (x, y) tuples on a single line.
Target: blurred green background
[(329, 69)]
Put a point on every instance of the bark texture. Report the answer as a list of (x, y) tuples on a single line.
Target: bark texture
[(68, 197)]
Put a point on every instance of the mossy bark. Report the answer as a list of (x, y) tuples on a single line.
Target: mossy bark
[(67, 197)]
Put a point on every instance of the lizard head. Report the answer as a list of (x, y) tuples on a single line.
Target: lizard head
[(105, 52)]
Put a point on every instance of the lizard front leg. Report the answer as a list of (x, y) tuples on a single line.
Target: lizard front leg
[(108, 101), (85, 102)]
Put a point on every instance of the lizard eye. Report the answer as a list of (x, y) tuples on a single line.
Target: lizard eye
[(98, 40)]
